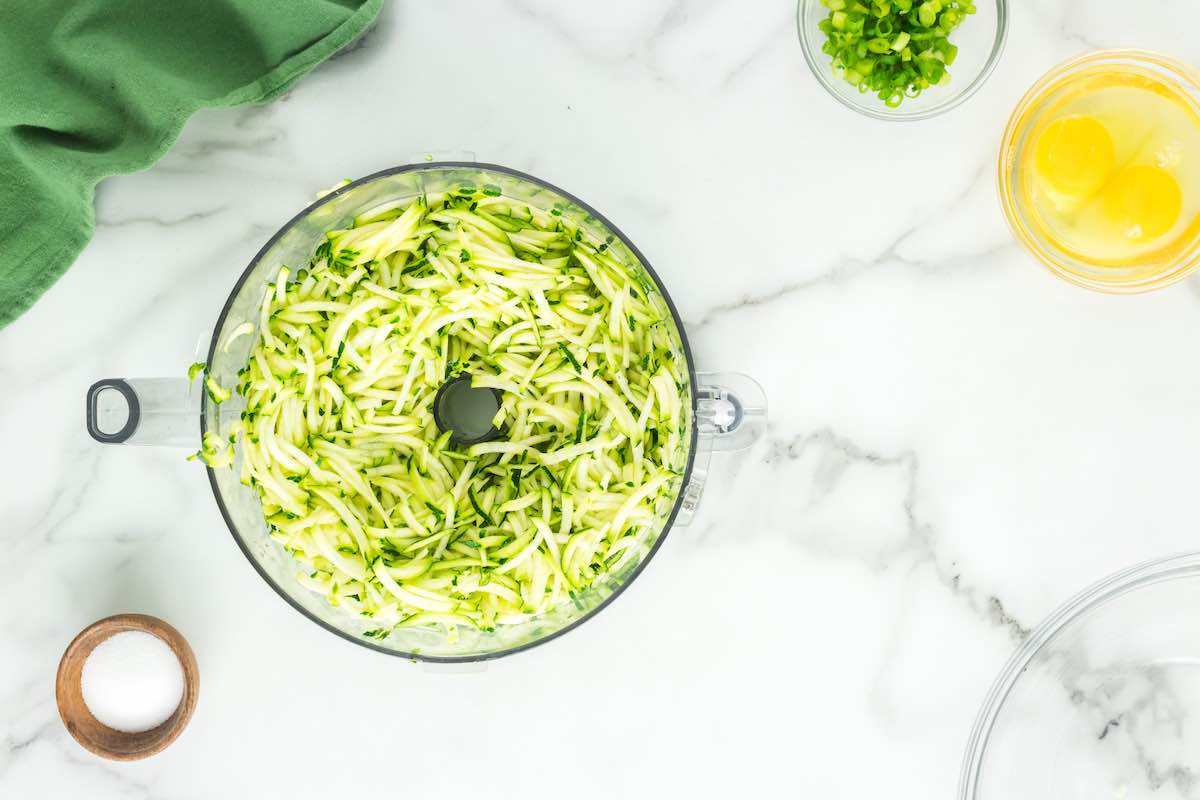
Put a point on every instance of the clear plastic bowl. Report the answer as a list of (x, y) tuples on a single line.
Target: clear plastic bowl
[(980, 40), (1103, 699), (1156, 272), (724, 412)]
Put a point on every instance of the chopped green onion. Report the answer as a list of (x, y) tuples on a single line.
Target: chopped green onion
[(894, 48)]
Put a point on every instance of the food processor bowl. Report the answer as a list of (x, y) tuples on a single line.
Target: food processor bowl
[(724, 411)]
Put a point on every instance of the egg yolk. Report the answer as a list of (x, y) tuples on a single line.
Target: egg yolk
[(1143, 201), (1075, 155)]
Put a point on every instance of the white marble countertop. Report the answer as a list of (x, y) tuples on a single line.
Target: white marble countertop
[(958, 440)]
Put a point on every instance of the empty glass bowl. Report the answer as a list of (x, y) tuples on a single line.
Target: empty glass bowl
[(1103, 699), (980, 40)]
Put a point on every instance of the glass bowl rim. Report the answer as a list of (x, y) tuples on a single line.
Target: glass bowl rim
[(820, 71), (1096, 596), (1186, 77), (693, 442)]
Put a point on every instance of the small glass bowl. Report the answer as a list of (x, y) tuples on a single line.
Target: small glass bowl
[(980, 40), (1022, 219), (1103, 698)]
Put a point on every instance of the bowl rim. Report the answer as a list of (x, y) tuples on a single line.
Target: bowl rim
[(693, 442), (821, 72), (1116, 585), (78, 718), (1023, 229)]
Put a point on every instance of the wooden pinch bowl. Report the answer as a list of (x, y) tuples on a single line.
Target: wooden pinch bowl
[(90, 732)]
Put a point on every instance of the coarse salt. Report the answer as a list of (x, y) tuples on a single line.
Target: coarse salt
[(132, 681)]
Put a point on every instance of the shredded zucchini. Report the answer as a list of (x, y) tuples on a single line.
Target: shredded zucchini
[(386, 517), (216, 392), (214, 451)]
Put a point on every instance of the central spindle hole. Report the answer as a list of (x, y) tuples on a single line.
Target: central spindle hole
[(466, 411)]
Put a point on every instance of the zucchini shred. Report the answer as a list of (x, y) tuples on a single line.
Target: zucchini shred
[(389, 519)]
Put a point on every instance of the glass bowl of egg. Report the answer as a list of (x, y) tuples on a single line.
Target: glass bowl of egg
[(1099, 170)]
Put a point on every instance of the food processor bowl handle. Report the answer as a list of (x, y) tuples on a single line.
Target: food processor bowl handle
[(148, 411), (731, 415), (731, 410)]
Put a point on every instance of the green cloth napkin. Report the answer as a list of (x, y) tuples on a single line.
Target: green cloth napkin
[(92, 88)]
